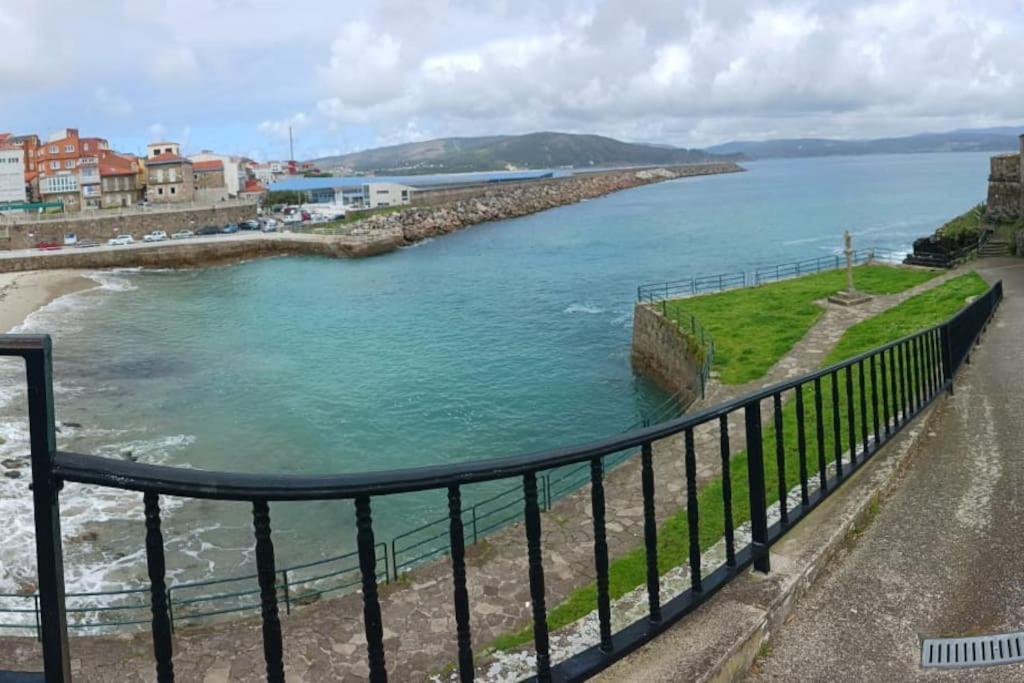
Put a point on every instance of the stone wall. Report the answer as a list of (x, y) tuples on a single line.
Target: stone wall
[(662, 353), (193, 253), (1006, 187), (100, 226)]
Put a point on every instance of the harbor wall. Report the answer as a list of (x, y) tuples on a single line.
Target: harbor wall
[(663, 354)]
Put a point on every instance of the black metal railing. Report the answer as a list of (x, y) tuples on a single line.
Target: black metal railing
[(707, 284), (948, 259), (880, 391)]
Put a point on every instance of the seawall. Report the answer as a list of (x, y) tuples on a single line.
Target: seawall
[(100, 226), (662, 353)]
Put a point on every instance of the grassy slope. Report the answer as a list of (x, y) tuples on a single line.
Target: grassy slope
[(629, 570), (754, 327)]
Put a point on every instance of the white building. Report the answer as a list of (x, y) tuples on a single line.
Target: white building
[(12, 174), (386, 194)]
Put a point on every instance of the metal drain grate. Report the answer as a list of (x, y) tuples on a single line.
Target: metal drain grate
[(1005, 648)]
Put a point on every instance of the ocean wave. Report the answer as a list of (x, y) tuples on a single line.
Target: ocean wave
[(109, 281), (584, 308), (419, 243)]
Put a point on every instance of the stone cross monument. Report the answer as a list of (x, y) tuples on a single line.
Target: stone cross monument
[(850, 296)]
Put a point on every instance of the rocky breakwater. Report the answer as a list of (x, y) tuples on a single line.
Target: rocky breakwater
[(503, 202)]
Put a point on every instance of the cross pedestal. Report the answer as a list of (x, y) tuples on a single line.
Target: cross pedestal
[(849, 296)]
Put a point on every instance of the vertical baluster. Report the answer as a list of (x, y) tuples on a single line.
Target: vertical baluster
[(46, 507), (819, 434), (267, 575), (874, 402), (756, 487), (457, 539), (894, 383), (650, 534), (936, 362), (730, 541), (692, 513), (837, 432), (780, 458), (372, 623), (904, 374), (801, 443), (885, 393), (161, 624), (918, 379), (862, 387), (537, 595), (604, 609), (851, 414)]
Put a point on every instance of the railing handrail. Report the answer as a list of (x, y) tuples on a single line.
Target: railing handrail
[(241, 486), (704, 284), (927, 363)]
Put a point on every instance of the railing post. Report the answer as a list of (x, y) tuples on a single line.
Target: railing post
[(755, 482), (45, 500), (287, 592), (947, 359)]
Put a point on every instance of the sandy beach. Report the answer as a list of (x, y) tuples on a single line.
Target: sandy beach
[(23, 293)]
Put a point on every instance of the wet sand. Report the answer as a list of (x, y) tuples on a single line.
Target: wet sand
[(23, 293)]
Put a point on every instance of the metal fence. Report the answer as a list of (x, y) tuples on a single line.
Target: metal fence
[(882, 391), (707, 284)]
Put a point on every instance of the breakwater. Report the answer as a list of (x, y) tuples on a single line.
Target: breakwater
[(500, 202)]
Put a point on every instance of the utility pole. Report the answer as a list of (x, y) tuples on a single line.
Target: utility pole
[(291, 145)]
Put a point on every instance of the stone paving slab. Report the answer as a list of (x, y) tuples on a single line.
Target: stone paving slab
[(325, 641)]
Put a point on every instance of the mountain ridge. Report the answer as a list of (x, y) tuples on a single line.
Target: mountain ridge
[(510, 152)]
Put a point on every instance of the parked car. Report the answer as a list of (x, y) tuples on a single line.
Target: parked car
[(182, 235), (155, 236), (121, 241), (249, 225), (209, 230), (292, 218), (48, 246), (86, 244), (230, 229), (305, 215), (268, 225)]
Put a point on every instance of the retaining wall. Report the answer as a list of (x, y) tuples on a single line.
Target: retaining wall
[(100, 227), (665, 355)]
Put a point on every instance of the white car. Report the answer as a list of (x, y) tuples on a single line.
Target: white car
[(182, 235), (155, 236), (268, 225), (293, 218), (120, 241)]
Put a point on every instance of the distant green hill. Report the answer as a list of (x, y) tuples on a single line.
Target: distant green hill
[(971, 140), (500, 152)]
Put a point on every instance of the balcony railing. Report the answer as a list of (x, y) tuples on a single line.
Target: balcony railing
[(843, 415)]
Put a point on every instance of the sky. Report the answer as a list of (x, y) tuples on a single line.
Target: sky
[(233, 75)]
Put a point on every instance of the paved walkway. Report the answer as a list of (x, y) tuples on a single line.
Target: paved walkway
[(325, 641), (942, 556)]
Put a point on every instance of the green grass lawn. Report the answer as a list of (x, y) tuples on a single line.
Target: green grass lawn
[(628, 571), (754, 327)]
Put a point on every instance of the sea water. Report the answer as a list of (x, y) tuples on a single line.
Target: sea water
[(505, 338)]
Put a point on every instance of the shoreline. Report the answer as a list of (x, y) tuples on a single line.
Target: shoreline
[(24, 293), (372, 236)]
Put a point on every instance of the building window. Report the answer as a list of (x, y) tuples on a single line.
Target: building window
[(86, 146), (173, 190), (70, 163), (54, 165), (53, 149), (159, 190), (69, 148), (172, 174)]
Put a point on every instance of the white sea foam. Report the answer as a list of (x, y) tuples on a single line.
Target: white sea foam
[(110, 281), (584, 308), (419, 244)]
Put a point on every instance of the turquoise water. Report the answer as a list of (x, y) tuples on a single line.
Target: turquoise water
[(503, 338)]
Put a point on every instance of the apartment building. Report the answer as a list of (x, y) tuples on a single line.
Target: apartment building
[(12, 173), (169, 177), (121, 184), (68, 167), (209, 177)]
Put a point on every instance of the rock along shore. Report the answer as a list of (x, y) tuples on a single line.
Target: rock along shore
[(377, 234)]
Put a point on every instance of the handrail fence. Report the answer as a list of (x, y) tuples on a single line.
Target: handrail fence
[(884, 389)]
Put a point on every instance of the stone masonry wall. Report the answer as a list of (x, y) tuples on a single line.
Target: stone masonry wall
[(100, 227), (662, 353), (1006, 187)]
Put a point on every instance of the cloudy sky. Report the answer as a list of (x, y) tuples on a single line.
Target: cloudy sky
[(350, 74)]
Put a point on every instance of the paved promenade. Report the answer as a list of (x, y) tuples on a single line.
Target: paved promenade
[(325, 641), (942, 556)]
